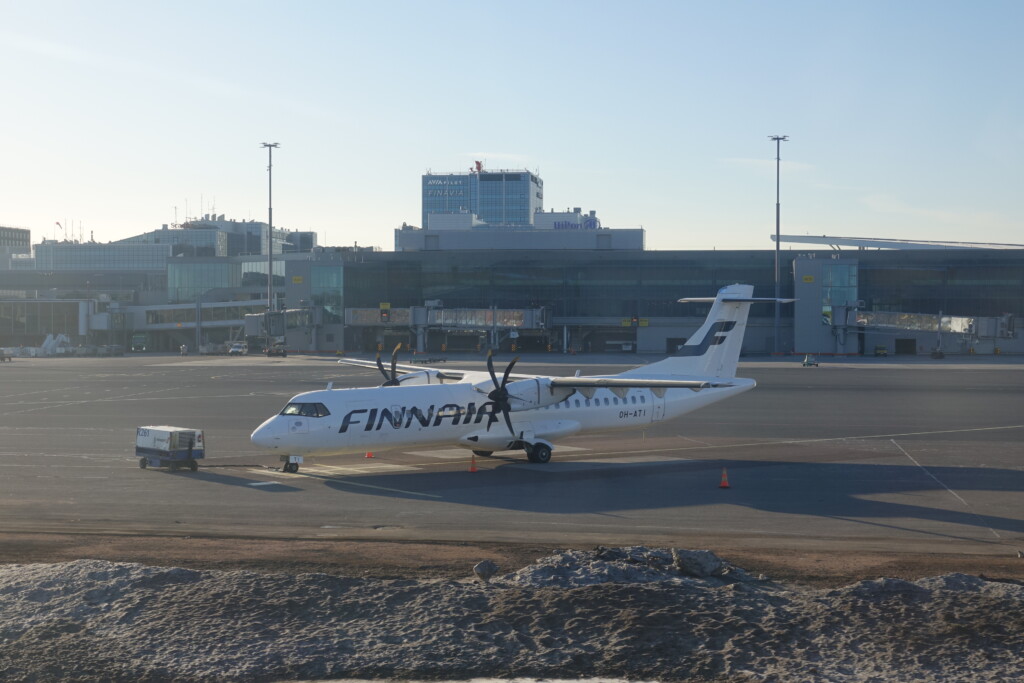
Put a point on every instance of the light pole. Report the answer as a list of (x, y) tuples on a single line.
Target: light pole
[(779, 139), (270, 228)]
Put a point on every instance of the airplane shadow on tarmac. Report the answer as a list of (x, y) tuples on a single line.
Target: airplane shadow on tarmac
[(840, 491), (206, 475)]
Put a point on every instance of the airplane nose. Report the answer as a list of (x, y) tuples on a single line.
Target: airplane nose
[(267, 434)]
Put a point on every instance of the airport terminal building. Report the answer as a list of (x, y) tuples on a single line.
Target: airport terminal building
[(344, 299), (479, 276)]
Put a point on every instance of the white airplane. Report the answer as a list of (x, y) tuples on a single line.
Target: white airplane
[(417, 407)]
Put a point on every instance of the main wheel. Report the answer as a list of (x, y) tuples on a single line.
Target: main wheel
[(484, 454), (143, 463), (193, 465), (291, 467), (539, 453)]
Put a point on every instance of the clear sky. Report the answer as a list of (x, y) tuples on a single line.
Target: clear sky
[(905, 117)]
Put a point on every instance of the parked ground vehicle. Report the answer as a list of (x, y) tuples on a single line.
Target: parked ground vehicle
[(238, 349), (172, 447), (276, 350)]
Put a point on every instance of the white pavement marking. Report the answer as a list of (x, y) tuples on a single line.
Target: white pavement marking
[(457, 453), (349, 482), (368, 468), (790, 442), (442, 453), (604, 463), (263, 483), (270, 473), (940, 483), (336, 470)]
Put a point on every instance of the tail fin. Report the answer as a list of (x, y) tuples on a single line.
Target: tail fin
[(714, 350)]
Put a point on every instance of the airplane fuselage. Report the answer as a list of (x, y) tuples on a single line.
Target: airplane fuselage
[(340, 421), (501, 411)]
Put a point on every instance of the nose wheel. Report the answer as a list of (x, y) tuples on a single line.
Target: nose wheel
[(291, 463)]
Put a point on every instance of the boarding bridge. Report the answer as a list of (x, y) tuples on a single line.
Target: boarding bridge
[(434, 328), (914, 333), (850, 330)]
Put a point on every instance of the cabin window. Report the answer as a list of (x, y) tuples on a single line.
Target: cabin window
[(643, 399)]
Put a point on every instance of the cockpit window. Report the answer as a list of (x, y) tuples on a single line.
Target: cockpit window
[(306, 409)]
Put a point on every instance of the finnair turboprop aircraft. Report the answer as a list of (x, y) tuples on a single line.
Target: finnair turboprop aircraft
[(418, 407)]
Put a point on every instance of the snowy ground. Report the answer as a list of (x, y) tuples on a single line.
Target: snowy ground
[(628, 613)]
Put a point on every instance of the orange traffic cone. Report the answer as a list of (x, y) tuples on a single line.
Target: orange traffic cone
[(725, 480), (472, 463), (369, 454)]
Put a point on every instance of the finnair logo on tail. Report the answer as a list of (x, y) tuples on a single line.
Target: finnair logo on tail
[(715, 336)]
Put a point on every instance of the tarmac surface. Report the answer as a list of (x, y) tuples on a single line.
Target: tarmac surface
[(849, 458)]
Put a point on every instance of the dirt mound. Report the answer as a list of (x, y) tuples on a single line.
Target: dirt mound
[(634, 613)]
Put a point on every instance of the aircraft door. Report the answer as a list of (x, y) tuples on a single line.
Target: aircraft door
[(298, 424), (658, 407)]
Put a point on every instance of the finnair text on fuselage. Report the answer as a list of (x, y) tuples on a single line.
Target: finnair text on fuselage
[(373, 419)]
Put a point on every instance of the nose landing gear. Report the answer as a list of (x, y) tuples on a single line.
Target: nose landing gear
[(291, 463)]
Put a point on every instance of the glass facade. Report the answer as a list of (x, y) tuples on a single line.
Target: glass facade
[(962, 282), (165, 316), (28, 322), (508, 198), (448, 193), (115, 256), (327, 290), (192, 242), (18, 238), (838, 287), (566, 283), (188, 280), (499, 198)]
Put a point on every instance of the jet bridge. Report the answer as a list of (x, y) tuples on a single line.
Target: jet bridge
[(435, 328)]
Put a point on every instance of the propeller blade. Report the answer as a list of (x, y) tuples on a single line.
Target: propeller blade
[(508, 421), (490, 369), (394, 363), (390, 379), (508, 371), (500, 394)]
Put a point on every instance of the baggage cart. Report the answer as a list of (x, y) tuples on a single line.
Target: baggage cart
[(171, 447)]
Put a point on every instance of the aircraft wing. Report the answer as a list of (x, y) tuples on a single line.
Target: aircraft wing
[(404, 369)]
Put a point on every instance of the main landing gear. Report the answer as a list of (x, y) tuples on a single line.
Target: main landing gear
[(539, 453)]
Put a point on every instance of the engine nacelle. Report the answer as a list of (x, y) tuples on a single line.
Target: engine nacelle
[(527, 394)]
